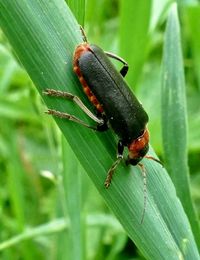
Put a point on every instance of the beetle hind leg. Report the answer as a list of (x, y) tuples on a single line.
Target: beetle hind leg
[(101, 123), (69, 117)]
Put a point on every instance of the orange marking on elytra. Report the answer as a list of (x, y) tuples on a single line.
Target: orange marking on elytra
[(84, 47)]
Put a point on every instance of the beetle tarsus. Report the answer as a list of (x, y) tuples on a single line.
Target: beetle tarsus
[(83, 34), (58, 93), (77, 100)]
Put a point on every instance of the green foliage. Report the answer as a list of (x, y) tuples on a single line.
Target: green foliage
[(174, 117), (43, 186)]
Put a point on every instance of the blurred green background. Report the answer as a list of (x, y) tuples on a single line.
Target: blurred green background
[(33, 198)]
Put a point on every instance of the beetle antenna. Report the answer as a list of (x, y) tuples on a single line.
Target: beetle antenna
[(144, 190), (154, 159)]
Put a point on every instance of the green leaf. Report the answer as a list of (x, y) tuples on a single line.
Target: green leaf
[(193, 13), (44, 35), (134, 27), (72, 193), (78, 9), (174, 117), (60, 225)]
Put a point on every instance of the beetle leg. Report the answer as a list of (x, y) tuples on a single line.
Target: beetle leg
[(69, 117), (75, 99), (83, 34), (120, 149), (124, 69)]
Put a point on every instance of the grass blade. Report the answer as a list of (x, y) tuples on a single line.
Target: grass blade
[(72, 186), (193, 13), (134, 18), (174, 117), (78, 9), (44, 35)]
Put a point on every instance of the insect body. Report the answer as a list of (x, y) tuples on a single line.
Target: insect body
[(117, 107), (107, 90)]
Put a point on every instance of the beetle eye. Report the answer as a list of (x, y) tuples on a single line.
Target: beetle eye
[(144, 151)]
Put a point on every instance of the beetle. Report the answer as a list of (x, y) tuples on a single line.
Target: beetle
[(117, 107)]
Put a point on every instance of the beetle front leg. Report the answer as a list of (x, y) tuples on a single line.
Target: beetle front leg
[(120, 149)]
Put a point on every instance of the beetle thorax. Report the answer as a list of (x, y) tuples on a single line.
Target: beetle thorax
[(139, 147)]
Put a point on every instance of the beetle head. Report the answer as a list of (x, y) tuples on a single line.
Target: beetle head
[(138, 148)]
